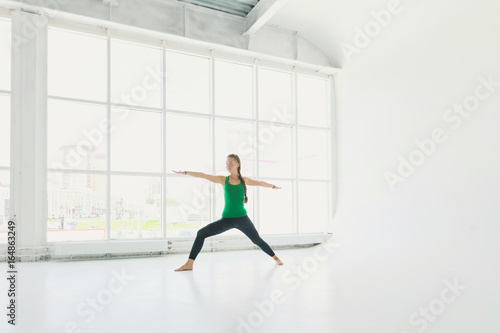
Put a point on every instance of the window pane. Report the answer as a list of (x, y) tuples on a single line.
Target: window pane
[(233, 137), (188, 144), (136, 141), (136, 74), (4, 205), (76, 207), (276, 216), (313, 207), (5, 54), (135, 207), (275, 151), (275, 96), (187, 83), (312, 101), (188, 206), (76, 134), (233, 89), (4, 130), (313, 154), (77, 65)]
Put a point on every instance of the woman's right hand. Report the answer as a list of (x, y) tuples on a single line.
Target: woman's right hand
[(178, 171)]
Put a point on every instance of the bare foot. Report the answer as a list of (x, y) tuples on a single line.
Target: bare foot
[(278, 261), (188, 266)]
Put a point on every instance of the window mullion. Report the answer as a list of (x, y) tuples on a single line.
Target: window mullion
[(295, 153), (255, 97), (164, 141), (108, 141), (212, 131)]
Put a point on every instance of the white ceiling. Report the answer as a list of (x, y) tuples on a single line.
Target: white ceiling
[(327, 23)]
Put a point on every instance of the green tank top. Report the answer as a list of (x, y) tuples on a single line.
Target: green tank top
[(233, 200)]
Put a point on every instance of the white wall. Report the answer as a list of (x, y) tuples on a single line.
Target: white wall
[(397, 90)]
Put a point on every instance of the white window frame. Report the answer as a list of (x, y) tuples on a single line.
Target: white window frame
[(214, 51)]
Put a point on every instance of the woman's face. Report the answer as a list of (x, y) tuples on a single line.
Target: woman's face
[(231, 165)]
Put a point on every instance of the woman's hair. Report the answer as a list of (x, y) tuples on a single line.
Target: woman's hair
[(237, 159)]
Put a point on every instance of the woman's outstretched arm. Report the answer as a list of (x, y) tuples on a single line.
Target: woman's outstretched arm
[(252, 182), (212, 178)]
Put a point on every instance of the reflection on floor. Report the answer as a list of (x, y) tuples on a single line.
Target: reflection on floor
[(345, 289)]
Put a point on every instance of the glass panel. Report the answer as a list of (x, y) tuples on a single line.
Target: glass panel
[(275, 151), (77, 65), (313, 154), (135, 207), (76, 136), (312, 101), (187, 83), (276, 216), (4, 130), (233, 137), (136, 74), (4, 205), (5, 53), (233, 89), (275, 96), (188, 206), (313, 207), (188, 144), (76, 207), (136, 141)]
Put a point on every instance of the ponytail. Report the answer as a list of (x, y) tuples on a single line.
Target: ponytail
[(244, 185), (236, 157)]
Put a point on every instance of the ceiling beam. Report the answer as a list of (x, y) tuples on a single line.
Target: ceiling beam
[(260, 14)]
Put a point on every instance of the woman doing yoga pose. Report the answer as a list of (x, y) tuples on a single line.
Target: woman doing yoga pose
[(234, 214)]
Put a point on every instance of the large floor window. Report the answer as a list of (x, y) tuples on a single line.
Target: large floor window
[(121, 117), (5, 88)]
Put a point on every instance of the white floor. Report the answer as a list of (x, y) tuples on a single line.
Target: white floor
[(350, 290)]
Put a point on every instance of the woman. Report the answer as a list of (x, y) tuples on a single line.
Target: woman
[(234, 214)]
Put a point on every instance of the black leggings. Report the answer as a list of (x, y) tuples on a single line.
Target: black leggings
[(242, 223)]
